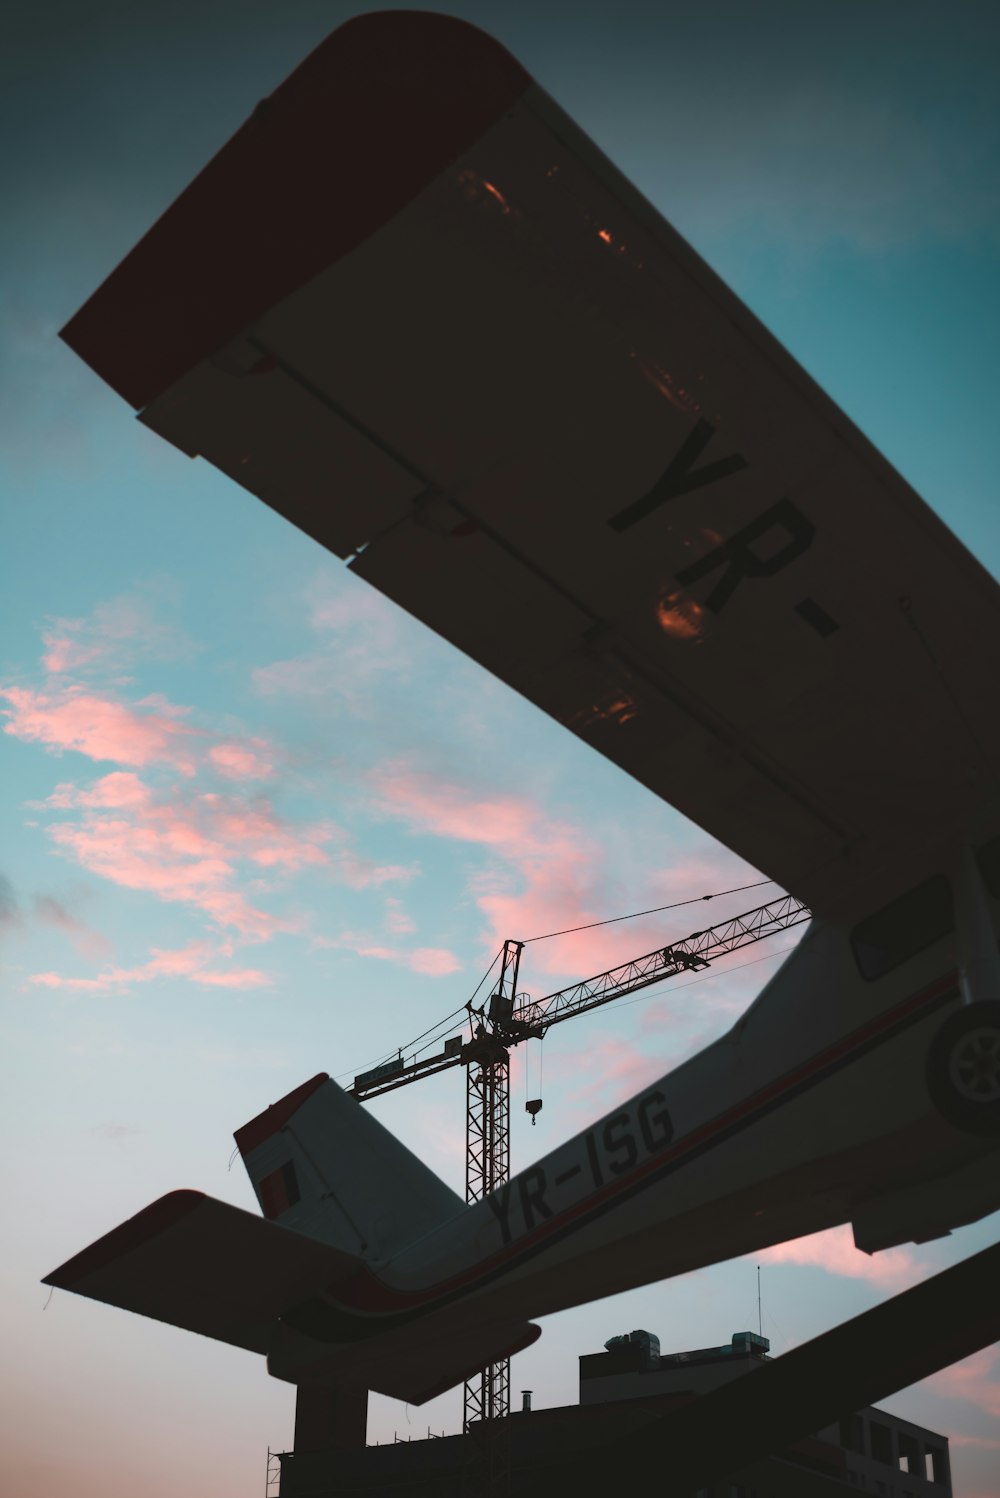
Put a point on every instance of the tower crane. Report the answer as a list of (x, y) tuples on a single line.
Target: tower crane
[(506, 1019)]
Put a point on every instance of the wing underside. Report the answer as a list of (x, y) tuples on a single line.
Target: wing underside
[(532, 416), (203, 1265)]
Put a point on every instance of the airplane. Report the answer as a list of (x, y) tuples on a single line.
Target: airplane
[(413, 308)]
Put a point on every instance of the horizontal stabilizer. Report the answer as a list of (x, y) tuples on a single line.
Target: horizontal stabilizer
[(201, 1264)]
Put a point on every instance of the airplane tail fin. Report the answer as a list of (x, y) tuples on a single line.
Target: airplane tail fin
[(321, 1164)]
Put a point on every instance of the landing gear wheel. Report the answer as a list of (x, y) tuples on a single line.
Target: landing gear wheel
[(963, 1068)]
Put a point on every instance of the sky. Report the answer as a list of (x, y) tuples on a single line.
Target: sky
[(259, 823)]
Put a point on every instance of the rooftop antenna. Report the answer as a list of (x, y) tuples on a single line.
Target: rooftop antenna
[(760, 1323)]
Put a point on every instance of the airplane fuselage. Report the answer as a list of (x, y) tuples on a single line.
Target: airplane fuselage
[(811, 1111)]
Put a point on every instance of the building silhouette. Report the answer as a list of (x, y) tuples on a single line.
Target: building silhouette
[(623, 1390)]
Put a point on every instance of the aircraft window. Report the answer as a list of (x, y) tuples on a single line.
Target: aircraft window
[(989, 866), (915, 921)]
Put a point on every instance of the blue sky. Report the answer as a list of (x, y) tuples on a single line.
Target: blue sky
[(259, 823)]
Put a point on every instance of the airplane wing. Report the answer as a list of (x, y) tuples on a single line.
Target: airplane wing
[(210, 1268), (413, 308), (203, 1265)]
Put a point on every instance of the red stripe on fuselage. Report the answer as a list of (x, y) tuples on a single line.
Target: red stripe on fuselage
[(370, 1294)]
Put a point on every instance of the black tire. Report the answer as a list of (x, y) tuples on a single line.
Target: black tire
[(963, 1068)]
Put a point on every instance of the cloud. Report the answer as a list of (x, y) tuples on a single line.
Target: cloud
[(834, 1251), (365, 873), (555, 867), (114, 635), (396, 919), (100, 727), (115, 1131), (53, 912), (613, 1069), (432, 962), (436, 962), (185, 849), (546, 875), (149, 732), (191, 962), (119, 789), (239, 762), (359, 640), (192, 847), (975, 1379)]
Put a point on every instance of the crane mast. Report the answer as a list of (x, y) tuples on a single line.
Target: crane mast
[(506, 1019)]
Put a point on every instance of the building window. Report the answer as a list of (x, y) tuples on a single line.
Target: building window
[(852, 1434), (909, 1453), (881, 1439), (934, 1464), (903, 928)]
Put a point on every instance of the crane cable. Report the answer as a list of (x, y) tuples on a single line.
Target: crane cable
[(568, 931), (612, 920)]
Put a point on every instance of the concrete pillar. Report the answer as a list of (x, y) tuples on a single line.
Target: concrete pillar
[(330, 1417)]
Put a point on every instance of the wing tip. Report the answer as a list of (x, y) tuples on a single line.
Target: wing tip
[(128, 1235)]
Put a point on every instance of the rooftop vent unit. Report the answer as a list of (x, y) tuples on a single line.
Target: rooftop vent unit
[(750, 1342), (647, 1341)]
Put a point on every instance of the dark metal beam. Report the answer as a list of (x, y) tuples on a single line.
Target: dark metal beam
[(759, 1414)]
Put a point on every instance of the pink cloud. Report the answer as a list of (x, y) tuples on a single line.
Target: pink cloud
[(149, 732), (433, 962), (834, 1251), (551, 876), (193, 847), (188, 851), (251, 830), (555, 870), (112, 635), (246, 977), (99, 727), (436, 962), (65, 653), (120, 789), (190, 962), (237, 762), (396, 919), (975, 1379), (615, 1069), (450, 810)]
